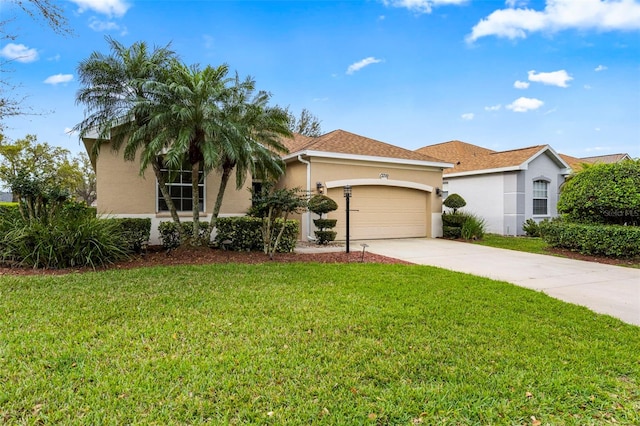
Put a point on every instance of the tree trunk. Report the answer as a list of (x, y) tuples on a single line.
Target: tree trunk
[(195, 209), (162, 183), (226, 174)]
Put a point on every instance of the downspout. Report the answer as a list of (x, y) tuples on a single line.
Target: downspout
[(308, 213)]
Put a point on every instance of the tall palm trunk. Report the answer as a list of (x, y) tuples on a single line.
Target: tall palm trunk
[(224, 179), (162, 183), (195, 195)]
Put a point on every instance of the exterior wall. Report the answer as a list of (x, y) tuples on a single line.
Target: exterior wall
[(122, 192), (542, 167), (485, 197), (324, 170), (514, 198)]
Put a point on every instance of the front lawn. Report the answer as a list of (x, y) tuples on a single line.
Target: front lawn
[(307, 344)]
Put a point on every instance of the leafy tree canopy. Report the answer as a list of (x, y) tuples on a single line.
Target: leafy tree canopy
[(306, 124), (603, 193)]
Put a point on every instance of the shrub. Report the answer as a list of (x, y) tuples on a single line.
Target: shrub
[(245, 233), (593, 239), (451, 219), (171, 236), (452, 232), (135, 232), (321, 204), (325, 223), (63, 243), (473, 227), (455, 202), (603, 193), (531, 228)]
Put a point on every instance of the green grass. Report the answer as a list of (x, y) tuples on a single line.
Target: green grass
[(528, 244), (307, 344)]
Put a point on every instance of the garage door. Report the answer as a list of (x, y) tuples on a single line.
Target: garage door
[(381, 212)]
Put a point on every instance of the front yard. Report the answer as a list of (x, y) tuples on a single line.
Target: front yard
[(304, 344)]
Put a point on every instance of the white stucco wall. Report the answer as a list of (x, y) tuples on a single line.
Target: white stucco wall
[(484, 195)]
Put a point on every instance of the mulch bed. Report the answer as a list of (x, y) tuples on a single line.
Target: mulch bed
[(156, 256)]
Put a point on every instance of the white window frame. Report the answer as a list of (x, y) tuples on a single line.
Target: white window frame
[(537, 195), (179, 175)]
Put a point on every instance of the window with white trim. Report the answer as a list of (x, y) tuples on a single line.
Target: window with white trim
[(540, 197), (180, 189)]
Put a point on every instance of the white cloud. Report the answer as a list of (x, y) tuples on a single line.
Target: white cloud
[(493, 108), (521, 84), (97, 25), (59, 78), (600, 68), (558, 15), (116, 8), (587, 86), (555, 78), (468, 116), (421, 6), (525, 104), (19, 53), (361, 64)]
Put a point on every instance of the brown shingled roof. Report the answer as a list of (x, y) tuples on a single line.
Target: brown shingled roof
[(343, 142), (607, 159), (467, 157)]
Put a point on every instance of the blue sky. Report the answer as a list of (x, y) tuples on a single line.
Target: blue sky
[(498, 74)]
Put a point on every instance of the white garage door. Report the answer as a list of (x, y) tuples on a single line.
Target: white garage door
[(381, 212)]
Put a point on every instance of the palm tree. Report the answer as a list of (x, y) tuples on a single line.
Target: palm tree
[(191, 123), (119, 97), (252, 139)]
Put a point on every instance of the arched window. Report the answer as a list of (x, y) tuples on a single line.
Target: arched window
[(540, 198)]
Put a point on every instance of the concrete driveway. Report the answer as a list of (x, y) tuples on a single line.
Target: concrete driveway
[(612, 290)]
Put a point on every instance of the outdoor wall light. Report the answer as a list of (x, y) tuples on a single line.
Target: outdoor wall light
[(438, 192), (319, 187)]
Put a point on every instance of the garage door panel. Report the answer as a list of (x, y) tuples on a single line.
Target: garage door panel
[(381, 212)]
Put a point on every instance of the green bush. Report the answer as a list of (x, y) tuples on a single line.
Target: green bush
[(454, 202), (325, 223), (531, 228), (452, 232), (595, 240), (171, 237), (135, 232), (245, 234), (453, 219), (63, 243), (473, 227), (325, 237), (321, 204), (603, 193)]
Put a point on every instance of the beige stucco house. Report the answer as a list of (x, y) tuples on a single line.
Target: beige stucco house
[(395, 192)]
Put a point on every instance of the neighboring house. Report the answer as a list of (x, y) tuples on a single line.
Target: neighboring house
[(504, 188), (576, 163), (395, 192), (6, 197)]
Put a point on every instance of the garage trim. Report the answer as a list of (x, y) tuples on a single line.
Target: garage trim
[(379, 182)]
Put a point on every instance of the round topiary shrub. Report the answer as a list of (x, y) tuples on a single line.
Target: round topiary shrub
[(455, 202), (321, 204)]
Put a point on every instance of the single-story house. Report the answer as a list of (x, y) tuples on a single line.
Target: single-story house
[(395, 191), (505, 188)]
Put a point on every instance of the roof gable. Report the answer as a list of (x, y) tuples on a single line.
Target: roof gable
[(468, 158)]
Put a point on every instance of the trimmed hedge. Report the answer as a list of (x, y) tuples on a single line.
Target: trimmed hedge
[(595, 240), (135, 232), (171, 237), (245, 234)]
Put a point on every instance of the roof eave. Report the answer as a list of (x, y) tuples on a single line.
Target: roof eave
[(391, 160)]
